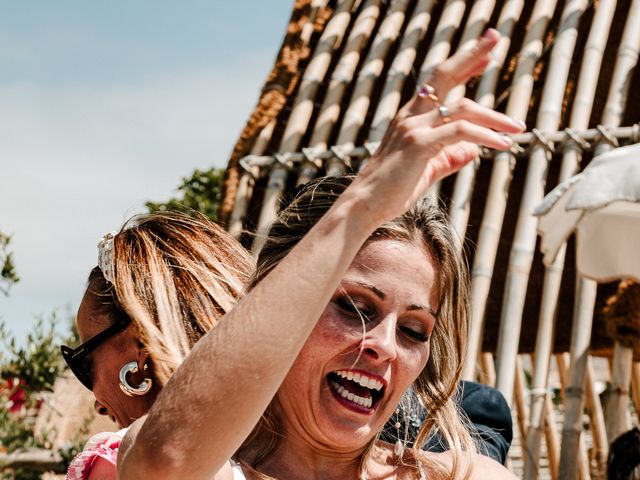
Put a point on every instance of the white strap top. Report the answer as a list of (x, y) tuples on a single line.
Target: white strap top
[(238, 474)]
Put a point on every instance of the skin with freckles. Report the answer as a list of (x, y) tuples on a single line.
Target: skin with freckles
[(391, 286), (107, 360)]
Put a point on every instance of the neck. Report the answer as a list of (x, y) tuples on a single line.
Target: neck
[(295, 463)]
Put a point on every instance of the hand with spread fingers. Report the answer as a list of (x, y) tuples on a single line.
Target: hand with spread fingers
[(430, 139)]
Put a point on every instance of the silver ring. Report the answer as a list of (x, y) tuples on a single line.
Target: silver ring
[(443, 110)]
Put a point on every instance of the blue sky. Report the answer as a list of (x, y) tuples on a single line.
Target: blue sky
[(106, 105)]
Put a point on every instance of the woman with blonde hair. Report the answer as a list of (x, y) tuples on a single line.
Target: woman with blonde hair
[(363, 295), (162, 282)]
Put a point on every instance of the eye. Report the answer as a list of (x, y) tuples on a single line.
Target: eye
[(354, 308), (414, 334)]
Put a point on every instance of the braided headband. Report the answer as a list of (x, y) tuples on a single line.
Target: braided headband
[(105, 256)]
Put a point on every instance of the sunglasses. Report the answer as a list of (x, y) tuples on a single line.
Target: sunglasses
[(79, 359)]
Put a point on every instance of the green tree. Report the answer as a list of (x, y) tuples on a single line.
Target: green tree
[(201, 191), (26, 373), (8, 275)]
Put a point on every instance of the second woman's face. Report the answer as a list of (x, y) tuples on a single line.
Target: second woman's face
[(370, 344), (106, 362)]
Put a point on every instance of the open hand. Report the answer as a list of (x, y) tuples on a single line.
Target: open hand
[(428, 140)]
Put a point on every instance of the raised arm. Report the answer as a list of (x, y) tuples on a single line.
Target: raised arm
[(218, 394)]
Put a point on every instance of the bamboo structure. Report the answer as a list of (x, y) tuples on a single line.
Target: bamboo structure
[(572, 157), (566, 68)]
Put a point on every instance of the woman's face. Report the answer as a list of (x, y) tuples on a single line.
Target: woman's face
[(106, 361), (370, 344)]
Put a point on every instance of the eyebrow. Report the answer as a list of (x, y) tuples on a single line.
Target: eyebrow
[(428, 309), (380, 294)]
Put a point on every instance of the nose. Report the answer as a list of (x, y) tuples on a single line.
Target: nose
[(99, 408), (380, 342)]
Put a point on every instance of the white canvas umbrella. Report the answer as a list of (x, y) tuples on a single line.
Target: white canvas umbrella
[(602, 205)]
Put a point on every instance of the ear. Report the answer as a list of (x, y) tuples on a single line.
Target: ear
[(144, 360)]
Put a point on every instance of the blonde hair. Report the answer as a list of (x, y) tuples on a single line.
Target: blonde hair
[(175, 276), (436, 385)]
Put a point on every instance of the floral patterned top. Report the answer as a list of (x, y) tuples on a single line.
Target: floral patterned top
[(102, 445)]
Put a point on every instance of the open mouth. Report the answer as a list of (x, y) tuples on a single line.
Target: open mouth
[(356, 390)]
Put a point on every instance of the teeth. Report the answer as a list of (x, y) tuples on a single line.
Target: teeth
[(352, 397), (361, 379)]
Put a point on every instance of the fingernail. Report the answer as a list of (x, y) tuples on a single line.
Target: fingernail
[(507, 140), (486, 33), (521, 123)]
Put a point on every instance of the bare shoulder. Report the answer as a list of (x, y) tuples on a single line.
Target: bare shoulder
[(102, 470), (483, 468), (488, 466)]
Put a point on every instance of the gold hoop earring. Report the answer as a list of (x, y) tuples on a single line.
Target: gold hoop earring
[(127, 389)]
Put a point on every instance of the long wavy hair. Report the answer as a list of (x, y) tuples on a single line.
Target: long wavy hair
[(436, 385), (176, 275)]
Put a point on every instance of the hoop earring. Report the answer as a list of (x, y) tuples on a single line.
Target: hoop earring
[(127, 389)]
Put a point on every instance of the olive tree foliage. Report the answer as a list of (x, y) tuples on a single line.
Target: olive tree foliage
[(28, 371), (8, 275), (201, 191)]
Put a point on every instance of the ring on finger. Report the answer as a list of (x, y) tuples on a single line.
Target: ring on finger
[(427, 91), (443, 110)]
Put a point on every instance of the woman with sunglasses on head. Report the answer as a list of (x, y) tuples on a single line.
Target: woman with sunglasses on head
[(163, 281), (360, 293)]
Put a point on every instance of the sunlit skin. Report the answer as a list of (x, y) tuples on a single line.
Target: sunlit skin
[(107, 360), (393, 285)]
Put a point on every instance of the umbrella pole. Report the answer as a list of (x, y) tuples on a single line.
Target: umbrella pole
[(544, 343), (563, 361), (580, 338), (635, 385), (521, 403), (596, 417), (617, 416), (551, 437), (488, 369)]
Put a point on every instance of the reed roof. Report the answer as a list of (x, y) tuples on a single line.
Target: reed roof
[(568, 68)]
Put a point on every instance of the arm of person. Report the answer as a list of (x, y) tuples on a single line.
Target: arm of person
[(218, 394)]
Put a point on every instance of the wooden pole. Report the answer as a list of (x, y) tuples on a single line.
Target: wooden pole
[(33, 459), (400, 69), (460, 206), (551, 437), (342, 76), (581, 111), (580, 340), (635, 385), (521, 401), (617, 411), (493, 216), (302, 109), (356, 112), (245, 186), (596, 418), (563, 361), (522, 250)]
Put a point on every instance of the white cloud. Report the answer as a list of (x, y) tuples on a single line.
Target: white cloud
[(77, 161)]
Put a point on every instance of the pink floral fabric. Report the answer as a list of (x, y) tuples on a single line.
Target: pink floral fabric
[(102, 445)]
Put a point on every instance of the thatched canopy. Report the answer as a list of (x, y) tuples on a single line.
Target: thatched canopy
[(345, 67)]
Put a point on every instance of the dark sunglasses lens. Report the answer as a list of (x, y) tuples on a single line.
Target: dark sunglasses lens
[(80, 366)]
